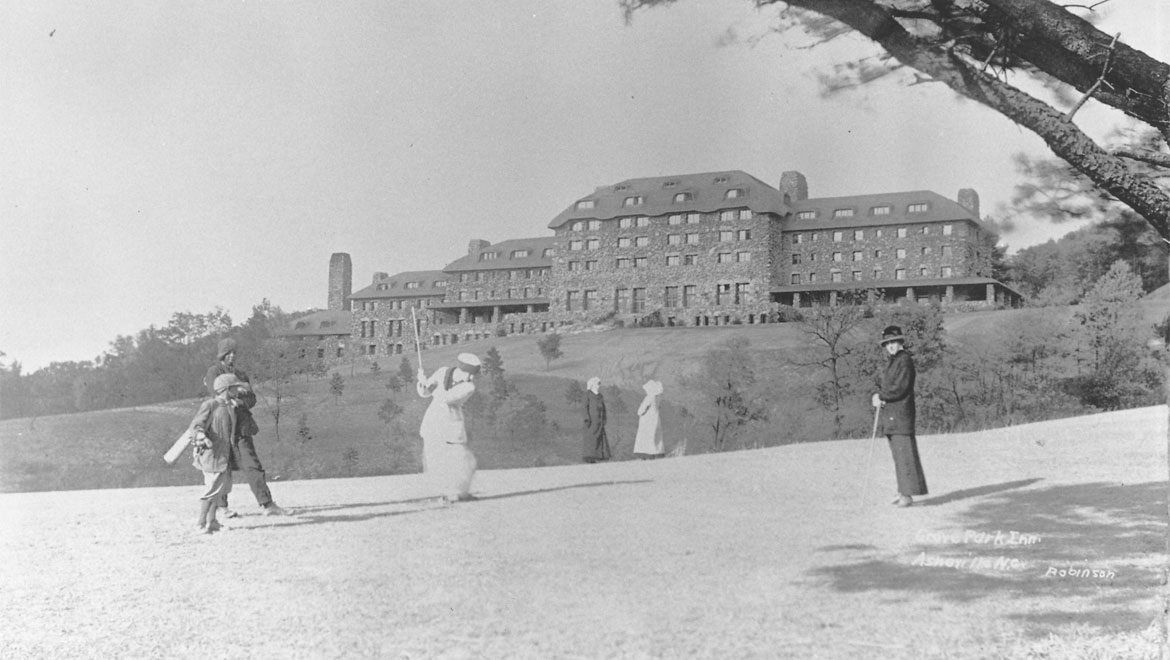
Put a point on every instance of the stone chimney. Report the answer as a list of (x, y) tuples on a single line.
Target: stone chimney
[(793, 187), (380, 277), (969, 199), (477, 245), (340, 281)]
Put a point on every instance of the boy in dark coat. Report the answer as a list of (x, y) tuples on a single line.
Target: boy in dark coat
[(896, 403), (212, 431)]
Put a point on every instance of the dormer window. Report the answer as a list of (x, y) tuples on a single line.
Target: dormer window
[(383, 286), (733, 193), (642, 221), (621, 186), (412, 285), (670, 184), (636, 200), (486, 256), (683, 197), (594, 225), (625, 223), (586, 205), (843, 213), (920, 207), (440, 284), (720, 179), (806, 215), (578, 226), (880, 210), (548, 252), (519, 254)]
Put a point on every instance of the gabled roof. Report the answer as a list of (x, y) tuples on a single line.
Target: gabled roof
[(504, 259), (708, 193), (329, 322), (394, 287), (938, 209)]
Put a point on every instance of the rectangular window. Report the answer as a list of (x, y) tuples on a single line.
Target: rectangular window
[(519, 254), (588, 299), (578, 226), (591, 264), (858, 234), (674, 239), (488, 256), (681, 197), (639, 262), (692, 239), (633, 201), (877, 273), (795, 259), (901, 232), (670, 297), (843, 213), (641, 241), (693, 218), (922, 271), (690, 259), (722, 294), (733, 193), (576, 245), (877, 254), (856, 276), (742, 292), (947, 251), (592, 244), (743, 235), (574, 266), (674, 220), (900, 274), (594, 225), (796, 278), (947, 229), (835, 276), (917, 208), (806, 215), (621, 300), (622, 262), (585, 205), (726, 216), (837, 256), (925, 229), (624, 242), (638, 300), (642, 221), (743, 257), (798, 238), (880, 210), (689, 293), (625, 223), (745, 214), (945, 271), (901, 253), (570, 300), (724, 258), (857, 256), (673, 260), (925, 250), (726, 236), (812, 277)]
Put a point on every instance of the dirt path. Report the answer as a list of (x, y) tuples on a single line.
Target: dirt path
[(755, 554)]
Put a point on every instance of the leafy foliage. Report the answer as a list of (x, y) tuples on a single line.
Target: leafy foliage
[(550, 348)]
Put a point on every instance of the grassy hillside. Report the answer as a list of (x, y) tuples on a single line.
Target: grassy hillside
[(345, 437)]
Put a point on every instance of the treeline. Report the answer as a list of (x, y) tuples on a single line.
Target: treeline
[(154, 365)]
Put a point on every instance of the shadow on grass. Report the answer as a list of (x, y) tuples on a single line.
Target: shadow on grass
[(309, 515), (968, 493), (1108, 538)]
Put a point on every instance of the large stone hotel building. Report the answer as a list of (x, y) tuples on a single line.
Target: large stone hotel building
[(716, 248)]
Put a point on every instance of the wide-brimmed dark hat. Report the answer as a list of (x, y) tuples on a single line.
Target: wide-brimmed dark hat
[(892, 333)]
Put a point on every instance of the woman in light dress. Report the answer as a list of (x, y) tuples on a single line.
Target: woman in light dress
[(648, 443), (445, 453)]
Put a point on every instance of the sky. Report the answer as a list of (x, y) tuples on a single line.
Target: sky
[(163, 157)]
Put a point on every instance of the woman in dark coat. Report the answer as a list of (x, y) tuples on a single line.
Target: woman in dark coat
[(596, 445), (896, 403)]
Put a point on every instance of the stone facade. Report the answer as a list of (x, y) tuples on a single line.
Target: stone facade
[(699, 249)]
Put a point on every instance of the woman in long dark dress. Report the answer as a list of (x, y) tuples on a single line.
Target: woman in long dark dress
[(596, 445)]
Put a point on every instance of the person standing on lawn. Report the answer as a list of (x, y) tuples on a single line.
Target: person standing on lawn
[(895, 404), (243, 448), (648, 443), (596, 444), (212, 431), (446, 456)]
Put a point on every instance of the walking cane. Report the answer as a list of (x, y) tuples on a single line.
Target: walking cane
[(877, 411)]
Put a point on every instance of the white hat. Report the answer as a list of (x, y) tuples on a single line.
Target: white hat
[(592, 382), (224, 381), (652, 387), (469, 363)]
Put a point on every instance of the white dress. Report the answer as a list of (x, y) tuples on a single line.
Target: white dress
[(649, 438), (445, 452)]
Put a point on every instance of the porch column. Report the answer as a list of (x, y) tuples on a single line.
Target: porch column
[(910, 295), (496, 314), (989, 294), (950, 293), (796, 299), (832, 299), (463, 315)]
